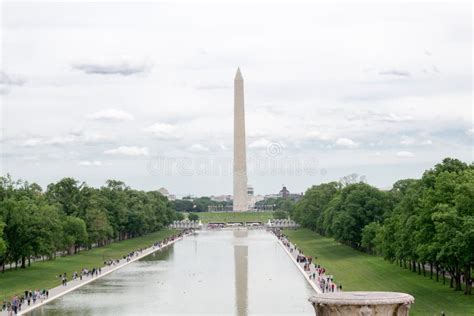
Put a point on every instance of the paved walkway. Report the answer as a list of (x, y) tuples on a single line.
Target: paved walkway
[(72, 285), (321, 282)]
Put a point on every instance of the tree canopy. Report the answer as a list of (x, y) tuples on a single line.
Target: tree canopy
[(71, 215), (418, 223)]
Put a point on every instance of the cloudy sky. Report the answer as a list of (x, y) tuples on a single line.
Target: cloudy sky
[(142, 92)]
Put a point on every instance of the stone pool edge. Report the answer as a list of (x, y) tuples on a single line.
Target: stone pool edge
[(306, 276), (145, 253)]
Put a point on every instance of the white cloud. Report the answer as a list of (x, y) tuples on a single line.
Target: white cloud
[(346, 142), (60, 140), (213, 87), (259, 143), (427, 142), (395, 72), (162, 131), (470, 131), (124, 68), (390, 117), (405, 154), (316, 134), (87, 163), (75, 137), (8, 81), (128, 151), (198, 148), (407, 140), (95, 138), (111, 115), (31, 142)]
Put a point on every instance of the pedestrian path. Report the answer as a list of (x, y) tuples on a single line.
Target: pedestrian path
[(72, 285), (313, 273)]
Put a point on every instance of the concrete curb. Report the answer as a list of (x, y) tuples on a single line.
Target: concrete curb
[(306, 276)]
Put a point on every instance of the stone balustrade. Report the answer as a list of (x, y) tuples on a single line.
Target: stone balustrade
[(186, 224), (282, 223)]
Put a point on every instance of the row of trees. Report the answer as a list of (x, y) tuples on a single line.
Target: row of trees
[(201, 204), (421, 224), (70, 215)]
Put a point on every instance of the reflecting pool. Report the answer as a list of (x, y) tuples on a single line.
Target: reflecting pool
[(235, 272)]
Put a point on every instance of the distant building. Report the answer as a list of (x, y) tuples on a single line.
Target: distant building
[(221, 198), (295, 196), (284, 193), (188, 198), (271, 196), (250, 191), (259, 198), (250, 198), (165, 193)]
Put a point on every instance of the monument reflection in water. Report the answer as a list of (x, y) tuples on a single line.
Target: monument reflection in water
[(241, 273), (213, 273)]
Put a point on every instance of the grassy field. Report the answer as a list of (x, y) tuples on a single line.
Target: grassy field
[(358, 272), (44, 274), (207, 217)]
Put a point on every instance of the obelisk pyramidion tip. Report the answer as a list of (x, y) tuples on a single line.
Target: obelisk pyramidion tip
[(238, 75)]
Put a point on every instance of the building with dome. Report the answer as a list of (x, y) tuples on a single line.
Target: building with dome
[(166, 193)]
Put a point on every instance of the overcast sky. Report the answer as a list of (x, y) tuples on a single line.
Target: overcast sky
[(143, 92)]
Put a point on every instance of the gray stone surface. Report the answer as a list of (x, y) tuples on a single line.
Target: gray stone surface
[(362, 303)]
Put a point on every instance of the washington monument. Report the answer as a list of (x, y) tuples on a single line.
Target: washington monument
[(240, 155)]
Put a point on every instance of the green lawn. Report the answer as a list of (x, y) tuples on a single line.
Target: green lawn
[(207, 217), (44, 274), (362, 272)]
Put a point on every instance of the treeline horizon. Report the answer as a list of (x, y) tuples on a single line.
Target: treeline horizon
[(70, 215), (421, 224)]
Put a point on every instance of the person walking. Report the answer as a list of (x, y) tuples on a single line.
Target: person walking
[(15, 304)]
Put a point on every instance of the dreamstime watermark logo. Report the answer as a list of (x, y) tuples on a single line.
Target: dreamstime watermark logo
[(271, 164), (274, 149)]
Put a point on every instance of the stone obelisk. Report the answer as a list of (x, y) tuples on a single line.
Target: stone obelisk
[(240, 150)]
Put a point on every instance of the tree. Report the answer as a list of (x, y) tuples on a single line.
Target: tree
[(287, 206), (69, 215), (67, 194), (309, 210), (352, 178), (280, 215), (179, 216), (44, 229), (369, 236), (16, 231), (3, 245), (98, 227), (359, 205), (183, 205), (74, 234), (193, 217)]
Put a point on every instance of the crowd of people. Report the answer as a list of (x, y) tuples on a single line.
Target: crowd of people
[(31, 297), (315, 272), (28, 297)]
